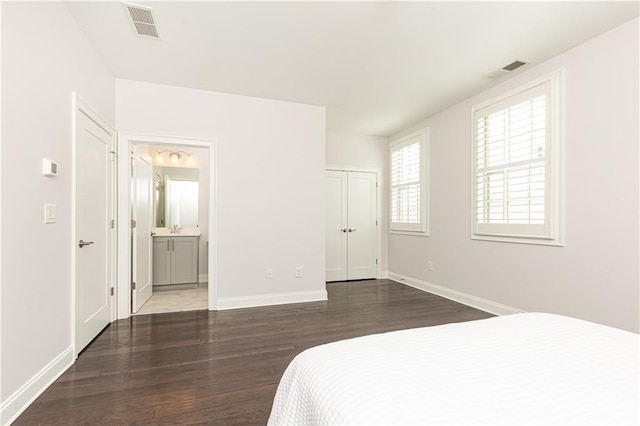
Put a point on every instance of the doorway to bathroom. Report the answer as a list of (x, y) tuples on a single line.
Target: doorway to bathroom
[(169, 206)]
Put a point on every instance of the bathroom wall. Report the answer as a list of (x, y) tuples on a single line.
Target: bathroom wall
[(201, 173)]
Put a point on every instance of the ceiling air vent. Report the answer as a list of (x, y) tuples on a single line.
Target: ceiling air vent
[(514, 65), (508, 68), (142, 20)]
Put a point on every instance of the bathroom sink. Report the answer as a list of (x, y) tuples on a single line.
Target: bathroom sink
[(185, 232)]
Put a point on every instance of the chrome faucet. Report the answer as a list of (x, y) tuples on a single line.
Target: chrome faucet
[(175, 228)]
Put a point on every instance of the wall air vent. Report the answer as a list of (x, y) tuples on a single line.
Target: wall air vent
[(142, 20), (508, 68)]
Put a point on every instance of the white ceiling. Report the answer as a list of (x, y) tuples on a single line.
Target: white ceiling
[(376, 66)]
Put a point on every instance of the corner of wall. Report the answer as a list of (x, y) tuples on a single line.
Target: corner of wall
[(457, 296)]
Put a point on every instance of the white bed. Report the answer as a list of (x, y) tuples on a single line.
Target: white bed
[(536, 369)]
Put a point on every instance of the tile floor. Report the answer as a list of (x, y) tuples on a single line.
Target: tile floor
[(176, 300)]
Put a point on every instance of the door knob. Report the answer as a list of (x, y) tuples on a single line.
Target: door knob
[(343, 230), (352, 230), (84, 243)]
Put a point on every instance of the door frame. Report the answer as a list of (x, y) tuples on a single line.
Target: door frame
[(79, 106), (378, 172), (125, 142)]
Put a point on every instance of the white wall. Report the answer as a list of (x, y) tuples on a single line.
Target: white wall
[(348, 149), (595, 276), (270, 183), (45, 57), (357, 150)]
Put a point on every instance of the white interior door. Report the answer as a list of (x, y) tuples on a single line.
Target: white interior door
[(142, 239), (351, 225), (336, 225), (93, 291), (362, 226)]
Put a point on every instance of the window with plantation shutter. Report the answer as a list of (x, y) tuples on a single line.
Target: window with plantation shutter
[(516, 161), (408, 198)]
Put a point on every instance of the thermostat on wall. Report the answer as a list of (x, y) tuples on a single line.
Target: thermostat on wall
[(49, 168)]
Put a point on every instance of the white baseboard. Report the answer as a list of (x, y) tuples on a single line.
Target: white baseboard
[(455, 295), (13, 406), (384, 275), (203, 278), (271, 299)]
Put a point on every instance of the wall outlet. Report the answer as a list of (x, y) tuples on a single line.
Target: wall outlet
[(430, 266), (299, 272), (269, 273)]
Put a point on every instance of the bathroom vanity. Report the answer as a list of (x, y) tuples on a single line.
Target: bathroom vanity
[(175, 258), (176, 235)]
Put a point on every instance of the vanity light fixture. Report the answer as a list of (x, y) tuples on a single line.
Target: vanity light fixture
[(174, 156)]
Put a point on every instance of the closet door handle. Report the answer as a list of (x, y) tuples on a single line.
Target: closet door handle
[(343, 230), (84, 243), (352, 230), (168, 245)]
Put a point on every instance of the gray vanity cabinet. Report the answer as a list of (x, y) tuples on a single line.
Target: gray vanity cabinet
[(175, 260)]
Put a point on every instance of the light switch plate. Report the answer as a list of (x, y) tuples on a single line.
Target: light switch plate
[(49, 213)]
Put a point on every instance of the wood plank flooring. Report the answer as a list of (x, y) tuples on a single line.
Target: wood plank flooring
[(202, 367)]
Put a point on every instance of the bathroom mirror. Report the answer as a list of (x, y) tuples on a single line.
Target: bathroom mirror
[(175, 197)]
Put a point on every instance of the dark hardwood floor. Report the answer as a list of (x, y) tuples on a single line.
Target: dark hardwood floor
[(203, 367)]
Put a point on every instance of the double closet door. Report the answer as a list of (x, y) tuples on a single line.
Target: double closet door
[(351, 225)]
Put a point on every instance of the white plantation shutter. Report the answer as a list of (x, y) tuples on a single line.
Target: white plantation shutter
[(408, 188), (515, 174)]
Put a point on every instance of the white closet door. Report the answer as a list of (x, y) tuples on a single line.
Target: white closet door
[(351, 225), (361, 229), (336, 225)]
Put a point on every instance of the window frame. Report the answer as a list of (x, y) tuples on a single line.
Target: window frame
[(554, 167), (421, 229)]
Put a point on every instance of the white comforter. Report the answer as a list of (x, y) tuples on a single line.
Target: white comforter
[(536, 369)]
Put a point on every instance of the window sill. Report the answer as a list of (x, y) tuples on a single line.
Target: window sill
[(414, 233), (519, 240)]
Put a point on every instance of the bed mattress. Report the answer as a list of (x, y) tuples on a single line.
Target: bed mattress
[(533, 368)]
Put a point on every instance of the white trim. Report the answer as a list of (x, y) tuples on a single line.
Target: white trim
[(406, 232), (271, 299), (343, 168), (78, 105), (518, 240), (378, 172), (20, 400), (521, 88), (425, 193), (1, 210), (125, 139), (455, 295), (203, 278)]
